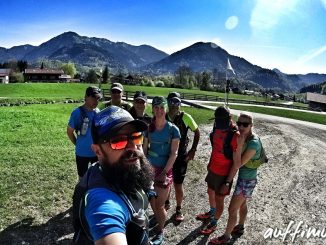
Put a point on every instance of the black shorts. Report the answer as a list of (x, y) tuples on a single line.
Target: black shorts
[(179, 169), (83, 164), (215, 182)]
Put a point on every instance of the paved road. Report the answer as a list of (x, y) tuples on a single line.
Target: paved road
[(270, 118)]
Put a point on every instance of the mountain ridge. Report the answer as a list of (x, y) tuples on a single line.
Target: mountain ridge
[(96, 52)]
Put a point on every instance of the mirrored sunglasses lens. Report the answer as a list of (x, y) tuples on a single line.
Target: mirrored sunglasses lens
[(137, 138), (119, 142)]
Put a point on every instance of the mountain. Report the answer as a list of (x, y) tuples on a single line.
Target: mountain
[(208, 56), (93, 52), (88, 51), (15, 53)]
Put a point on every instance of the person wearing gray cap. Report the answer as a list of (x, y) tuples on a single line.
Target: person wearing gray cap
[(78, 129), (110, 202), (116, 92), (183, 121), (139, 106)]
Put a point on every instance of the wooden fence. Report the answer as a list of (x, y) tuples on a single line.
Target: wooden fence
[(189, 96)]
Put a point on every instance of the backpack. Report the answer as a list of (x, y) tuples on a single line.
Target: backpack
[(136, 231), (227, 149), (184, 141), (254, 164)]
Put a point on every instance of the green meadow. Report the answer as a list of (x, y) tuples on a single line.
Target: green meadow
[(37, 164), (37, 161)]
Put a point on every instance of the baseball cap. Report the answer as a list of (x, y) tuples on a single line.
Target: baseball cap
[(159, 100), (174, 96), (116, 86), (110, 120), (140, 95), (93, 91)]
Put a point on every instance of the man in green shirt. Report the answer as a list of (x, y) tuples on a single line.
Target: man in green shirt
[(183, 121)]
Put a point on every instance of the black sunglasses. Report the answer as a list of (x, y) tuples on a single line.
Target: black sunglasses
[(244, 124), (115, 91)]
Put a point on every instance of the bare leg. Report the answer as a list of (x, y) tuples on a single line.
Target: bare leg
[(159, 210), (211, 197), (243, 212), (219, 200), (234, 207)]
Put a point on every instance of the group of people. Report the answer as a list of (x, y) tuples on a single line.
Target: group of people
[(127, 159)]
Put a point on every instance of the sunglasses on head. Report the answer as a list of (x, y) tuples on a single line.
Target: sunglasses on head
[(244, 124), (119, 142)]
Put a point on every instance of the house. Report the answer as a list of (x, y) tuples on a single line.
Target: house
[(37, 74), (65, 78), (4, 75), (317, 102)]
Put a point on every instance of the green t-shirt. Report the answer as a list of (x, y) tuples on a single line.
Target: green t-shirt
[(250, 173)]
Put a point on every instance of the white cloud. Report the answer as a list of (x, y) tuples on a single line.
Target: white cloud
[(231, 22), (266, 13)]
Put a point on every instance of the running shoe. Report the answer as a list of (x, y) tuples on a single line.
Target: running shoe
[(158, 239), (178, 216), (238, 230), (204, 216), (209, 229), (220, 240)]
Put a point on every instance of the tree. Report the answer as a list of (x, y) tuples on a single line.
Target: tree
[(105, 74), (183, 76), (69, 69), (22, 65), (205, 81), (91, 77)]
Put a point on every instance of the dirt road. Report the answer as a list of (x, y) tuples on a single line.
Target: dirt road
[(291, 193), (291, 190)]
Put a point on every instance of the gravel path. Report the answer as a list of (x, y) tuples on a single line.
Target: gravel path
[(291, 187)]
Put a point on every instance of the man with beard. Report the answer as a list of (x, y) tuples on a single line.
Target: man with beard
[(112, 193)]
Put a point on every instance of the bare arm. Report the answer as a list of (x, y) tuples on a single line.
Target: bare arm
[(191, 153), (71, 134), (173, 155), (113, 239)]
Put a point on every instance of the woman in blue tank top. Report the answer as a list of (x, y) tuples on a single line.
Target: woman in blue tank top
[(161, 147)]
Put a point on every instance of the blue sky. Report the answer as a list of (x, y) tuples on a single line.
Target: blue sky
[(286, 34)]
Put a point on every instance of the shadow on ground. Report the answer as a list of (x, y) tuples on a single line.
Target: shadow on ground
[(57, 230)]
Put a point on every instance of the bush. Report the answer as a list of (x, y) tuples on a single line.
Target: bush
[(159, 84), (16, 77), (150, 84)]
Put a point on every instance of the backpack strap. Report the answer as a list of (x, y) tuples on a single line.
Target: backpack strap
[(83, 115)]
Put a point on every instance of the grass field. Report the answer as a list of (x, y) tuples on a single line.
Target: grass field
[(63, 91), (37, 169)]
